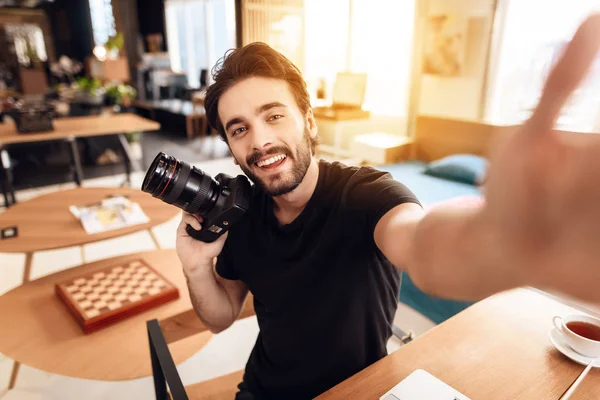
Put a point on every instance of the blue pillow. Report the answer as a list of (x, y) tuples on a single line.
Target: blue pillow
[(466, 168)]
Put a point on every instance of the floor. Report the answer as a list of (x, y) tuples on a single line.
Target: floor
[(226, 352)]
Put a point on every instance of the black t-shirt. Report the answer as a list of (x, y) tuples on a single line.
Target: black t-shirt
[(324, 295)]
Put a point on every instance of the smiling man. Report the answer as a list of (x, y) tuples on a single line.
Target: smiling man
[(321, 244)]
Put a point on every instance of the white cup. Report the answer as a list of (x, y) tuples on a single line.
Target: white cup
[(584, 346)]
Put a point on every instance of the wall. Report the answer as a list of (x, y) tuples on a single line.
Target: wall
[(126, 20), (151, 18), (460, 96), (71, 27)]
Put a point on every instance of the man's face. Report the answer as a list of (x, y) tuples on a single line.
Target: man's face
[(267, 133)]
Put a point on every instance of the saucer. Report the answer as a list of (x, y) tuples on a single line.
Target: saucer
[(556, 338)]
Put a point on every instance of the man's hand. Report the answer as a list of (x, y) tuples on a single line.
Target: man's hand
[(217, 301), (192, 252), (542, 207)]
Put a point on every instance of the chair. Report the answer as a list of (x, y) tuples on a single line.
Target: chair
[(196, 123), (177, 327)]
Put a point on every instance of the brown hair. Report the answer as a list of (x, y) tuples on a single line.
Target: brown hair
[(255, 59)]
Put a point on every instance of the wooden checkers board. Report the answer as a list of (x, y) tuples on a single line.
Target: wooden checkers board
[(103, 297)]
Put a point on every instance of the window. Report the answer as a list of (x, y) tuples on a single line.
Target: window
[(199, 32), (326, 37), (363, 36), (529, 46), (103, 20), (29, 42), (381, 45)]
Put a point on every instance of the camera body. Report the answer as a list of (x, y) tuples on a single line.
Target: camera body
[(233, 200), (220, 202)]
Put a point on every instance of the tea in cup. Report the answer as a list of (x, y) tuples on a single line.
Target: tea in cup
[(581, 332)]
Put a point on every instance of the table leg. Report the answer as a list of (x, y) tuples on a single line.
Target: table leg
[(189, 126), (13, 375), (130, 163), (26, 276), (4, 189), (154, 239), (7, 187), (75, 160), (27, 270), (404, 337), (82, 254)]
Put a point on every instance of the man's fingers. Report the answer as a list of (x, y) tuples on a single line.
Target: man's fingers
[(567, 74), (188, 219)]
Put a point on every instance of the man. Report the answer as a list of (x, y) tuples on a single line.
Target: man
[(319, 247)]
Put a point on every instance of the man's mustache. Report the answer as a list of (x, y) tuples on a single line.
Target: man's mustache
[(257, 155)]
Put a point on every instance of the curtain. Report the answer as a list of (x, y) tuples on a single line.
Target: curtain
[(279, 23), (199, 32)]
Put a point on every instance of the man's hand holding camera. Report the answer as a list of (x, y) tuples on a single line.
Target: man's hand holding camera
[(196, 256), (217, 301)]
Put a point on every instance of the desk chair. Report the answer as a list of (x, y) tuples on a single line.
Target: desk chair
[(164, 371), (196, 122)]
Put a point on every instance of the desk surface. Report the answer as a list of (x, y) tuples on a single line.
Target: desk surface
[(37, 330), (340, 114), (95, 125), (45, 222), (496, 349)]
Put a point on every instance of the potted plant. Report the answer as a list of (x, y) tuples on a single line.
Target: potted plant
[(120, 94), (90, 90), (113, 46)]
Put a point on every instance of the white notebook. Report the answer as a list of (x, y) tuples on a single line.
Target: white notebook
[(421, 385), (113, 213)]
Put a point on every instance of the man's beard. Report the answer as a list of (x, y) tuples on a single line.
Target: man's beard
[(283, 184)]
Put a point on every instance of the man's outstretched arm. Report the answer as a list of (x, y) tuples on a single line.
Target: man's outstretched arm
[(443, 251), (539, 225)]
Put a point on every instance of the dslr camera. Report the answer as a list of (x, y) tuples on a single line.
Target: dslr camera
[(220, 202)]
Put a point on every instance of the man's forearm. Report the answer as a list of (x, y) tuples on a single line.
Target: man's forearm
[(452, 257), (210, 300)]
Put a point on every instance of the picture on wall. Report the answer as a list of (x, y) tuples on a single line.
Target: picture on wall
[(445, 45)]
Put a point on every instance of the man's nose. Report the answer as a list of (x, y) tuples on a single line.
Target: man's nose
[(262, 138)]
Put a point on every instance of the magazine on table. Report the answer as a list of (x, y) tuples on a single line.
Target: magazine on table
[(111, 213)]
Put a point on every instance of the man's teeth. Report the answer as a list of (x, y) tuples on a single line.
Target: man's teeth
[(270, 161)]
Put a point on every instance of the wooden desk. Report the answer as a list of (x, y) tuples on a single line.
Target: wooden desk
[(496, 349), (45, 222), (95, 125), (37, 329), (68, 129)]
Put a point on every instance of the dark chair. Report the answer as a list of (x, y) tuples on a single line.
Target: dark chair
[(203, 78), (164, 371)]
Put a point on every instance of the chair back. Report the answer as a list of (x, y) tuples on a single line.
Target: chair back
[(167, 331)]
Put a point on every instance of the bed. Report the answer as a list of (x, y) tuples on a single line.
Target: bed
[(434, 139), (429, 190)]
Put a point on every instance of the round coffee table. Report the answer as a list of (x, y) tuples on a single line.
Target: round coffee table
[(37, 329), (45, 222)]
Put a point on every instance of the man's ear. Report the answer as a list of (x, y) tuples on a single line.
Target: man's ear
[(311, 123)]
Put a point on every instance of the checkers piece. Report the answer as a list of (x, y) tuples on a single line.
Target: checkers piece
[(104, 297)]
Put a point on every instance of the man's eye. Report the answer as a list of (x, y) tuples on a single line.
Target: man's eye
[(274, 117), (239, 130)]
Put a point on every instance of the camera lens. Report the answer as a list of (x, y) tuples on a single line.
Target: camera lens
[(181, 184)]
